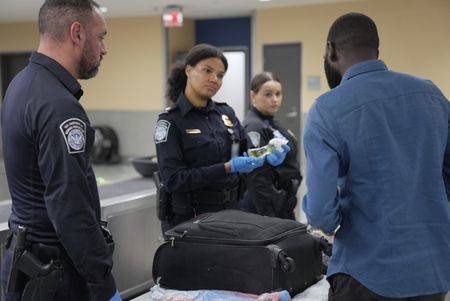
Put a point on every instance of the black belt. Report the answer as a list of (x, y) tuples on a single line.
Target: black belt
[(215, 197), (42, 251)]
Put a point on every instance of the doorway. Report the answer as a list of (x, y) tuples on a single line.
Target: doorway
[(234, 88), (284, 61), (11, 64)]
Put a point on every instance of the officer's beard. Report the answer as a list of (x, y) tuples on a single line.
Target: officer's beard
[(333, 75), (88, 67)]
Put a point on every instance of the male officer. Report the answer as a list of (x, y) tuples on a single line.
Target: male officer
[(47, 139)]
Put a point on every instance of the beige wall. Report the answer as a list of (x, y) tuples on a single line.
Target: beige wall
[(414, 34), (131, 74), (181, 39), (415, 38), (17, 37)]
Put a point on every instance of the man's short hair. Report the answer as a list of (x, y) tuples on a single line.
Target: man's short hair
[(354, 31), (55, 16)]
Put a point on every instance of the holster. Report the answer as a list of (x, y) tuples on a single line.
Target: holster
[(293, 186), (163, 199), (43, 288), (38, 280), (108, 236)]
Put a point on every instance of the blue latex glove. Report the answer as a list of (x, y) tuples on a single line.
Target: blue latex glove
[(116, 297), (276, 157), (246, 163)]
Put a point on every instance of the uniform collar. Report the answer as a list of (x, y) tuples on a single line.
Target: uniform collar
[(185, 106), (363, 67), (262, 116), (59, 71)]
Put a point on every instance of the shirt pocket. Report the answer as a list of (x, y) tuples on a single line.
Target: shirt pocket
[(197, 150)]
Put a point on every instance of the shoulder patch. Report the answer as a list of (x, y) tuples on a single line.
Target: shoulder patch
[(161, 131), (255, 138), (74, 133)]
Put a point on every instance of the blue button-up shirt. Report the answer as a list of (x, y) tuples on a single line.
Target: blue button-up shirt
[(378, 161)]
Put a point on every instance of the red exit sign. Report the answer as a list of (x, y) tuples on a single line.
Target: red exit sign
[(173, 19)]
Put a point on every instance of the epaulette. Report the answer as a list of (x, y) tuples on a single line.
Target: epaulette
[(168, 110), (221, 103)]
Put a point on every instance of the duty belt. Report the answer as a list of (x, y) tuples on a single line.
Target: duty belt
[(214, 197), (36, 270), (43, 251)]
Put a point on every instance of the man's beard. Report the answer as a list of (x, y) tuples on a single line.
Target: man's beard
[(333, 76), (88, 68)]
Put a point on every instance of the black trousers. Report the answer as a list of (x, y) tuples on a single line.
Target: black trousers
[(346, 288)]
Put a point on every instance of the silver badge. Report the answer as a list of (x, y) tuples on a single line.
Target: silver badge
[(74, 133), (255, 138), (161, 131)]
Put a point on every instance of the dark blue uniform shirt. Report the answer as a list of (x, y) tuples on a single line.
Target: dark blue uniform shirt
[(271, 189), (47, 138), (192, 146)]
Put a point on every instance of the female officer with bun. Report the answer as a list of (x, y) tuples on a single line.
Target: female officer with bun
[(271, 189), (199, 142)]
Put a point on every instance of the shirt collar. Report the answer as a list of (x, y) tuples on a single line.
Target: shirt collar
[(59, 72), (261, 115), (185, 106), (363, 67)]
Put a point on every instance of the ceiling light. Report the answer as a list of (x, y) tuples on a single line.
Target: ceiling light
[(103, 9)]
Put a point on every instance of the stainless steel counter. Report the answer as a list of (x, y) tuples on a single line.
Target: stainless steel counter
[(129, 207)]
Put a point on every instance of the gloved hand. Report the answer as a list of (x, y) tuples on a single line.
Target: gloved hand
[(246, 163), (276, 157), (116, 297)]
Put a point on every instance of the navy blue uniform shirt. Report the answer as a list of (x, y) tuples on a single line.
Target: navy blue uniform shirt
[(47, 138), (272, 189), (192, 146), (383, 137)]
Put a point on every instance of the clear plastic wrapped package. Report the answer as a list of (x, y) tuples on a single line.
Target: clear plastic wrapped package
[(267, 149)]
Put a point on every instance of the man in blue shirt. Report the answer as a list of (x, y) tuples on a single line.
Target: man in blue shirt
[(378, 172)]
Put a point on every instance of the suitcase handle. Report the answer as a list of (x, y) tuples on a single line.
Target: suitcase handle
[(279, 257), (287, 263)]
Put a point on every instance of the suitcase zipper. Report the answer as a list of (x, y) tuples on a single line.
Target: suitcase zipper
[(232, 241)]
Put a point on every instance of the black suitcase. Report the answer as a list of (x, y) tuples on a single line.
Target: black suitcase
[(238, 251)]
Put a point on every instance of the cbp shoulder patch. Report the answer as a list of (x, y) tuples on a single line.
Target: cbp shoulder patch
[(74, 133), (255, 138), (161, 131)]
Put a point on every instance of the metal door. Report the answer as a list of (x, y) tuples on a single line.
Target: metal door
[(284, 61)]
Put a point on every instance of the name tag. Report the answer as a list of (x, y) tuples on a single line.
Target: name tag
[(193, 131)]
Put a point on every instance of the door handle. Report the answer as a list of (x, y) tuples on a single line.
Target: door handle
[(293, 113)]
